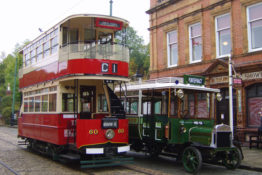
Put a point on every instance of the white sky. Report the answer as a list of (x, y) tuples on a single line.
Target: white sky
[(20, 19)]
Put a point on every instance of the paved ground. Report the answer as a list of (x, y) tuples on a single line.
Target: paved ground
[(24, 162), (252, 159)]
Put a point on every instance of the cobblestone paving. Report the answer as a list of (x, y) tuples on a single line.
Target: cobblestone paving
[(24, 162)]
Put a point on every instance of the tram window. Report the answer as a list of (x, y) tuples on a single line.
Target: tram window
[(46, 49), (65, 35), (89, 35), (52, 102), (133, 107), (31, 104), (68, 102), (32, 53), (147, 108), (37, 103), (102, 103), (39, 51), (54, 44), (191, 104), (127, 108), (27, 60), (105, 37), (174, 106), (157, 107), (164, 102), (44, 103), (202, 106), (26, 105)]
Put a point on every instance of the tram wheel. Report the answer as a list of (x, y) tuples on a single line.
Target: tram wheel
[(192, 159), (232, 159)]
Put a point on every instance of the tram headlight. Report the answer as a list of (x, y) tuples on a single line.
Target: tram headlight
[(110, 134)]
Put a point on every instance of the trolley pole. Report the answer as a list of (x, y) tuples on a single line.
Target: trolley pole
[(230, 86), (13, 103), (111, 7)]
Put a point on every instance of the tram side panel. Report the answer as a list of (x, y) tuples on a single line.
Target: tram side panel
[(51, 128)]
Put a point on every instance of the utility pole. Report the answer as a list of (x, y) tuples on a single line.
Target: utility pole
[(111, 7), (230, 88), (13, 103)]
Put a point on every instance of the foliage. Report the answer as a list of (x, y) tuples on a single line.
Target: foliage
[(139, 54), (7, 72), (6, 113)]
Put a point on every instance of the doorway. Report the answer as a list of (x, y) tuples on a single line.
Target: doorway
[(87, 100), (223, 107)]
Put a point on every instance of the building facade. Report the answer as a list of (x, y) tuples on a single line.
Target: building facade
[(197, 36)]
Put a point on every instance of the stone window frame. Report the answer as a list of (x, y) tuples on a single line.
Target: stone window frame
[(169, 65), (249, 38), (217, 36), (190, 42)]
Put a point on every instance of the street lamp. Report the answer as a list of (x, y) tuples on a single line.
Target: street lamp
[(230, 89)]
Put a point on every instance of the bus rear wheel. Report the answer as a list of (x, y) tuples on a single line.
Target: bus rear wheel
[(192, 159)]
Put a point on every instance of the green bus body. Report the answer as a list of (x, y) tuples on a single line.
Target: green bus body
[(187, 129)]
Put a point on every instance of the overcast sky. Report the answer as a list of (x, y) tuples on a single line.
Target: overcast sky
[(20, 19)]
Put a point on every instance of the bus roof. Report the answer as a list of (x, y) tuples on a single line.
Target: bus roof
[(165, 83)]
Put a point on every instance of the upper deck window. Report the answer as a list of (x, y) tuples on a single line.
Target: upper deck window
[(32, 54), (27, 59), (39, 53), (54, 43), (46, 49), (43, 47)]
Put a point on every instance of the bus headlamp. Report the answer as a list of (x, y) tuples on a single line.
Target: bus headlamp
[(110, 134)]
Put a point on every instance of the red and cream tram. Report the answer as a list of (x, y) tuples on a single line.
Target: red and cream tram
[(69, 109)]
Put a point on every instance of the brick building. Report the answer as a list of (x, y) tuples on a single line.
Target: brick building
[(196, 37)]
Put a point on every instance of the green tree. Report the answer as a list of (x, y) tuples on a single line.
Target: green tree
[(7, 72), (139, 53)]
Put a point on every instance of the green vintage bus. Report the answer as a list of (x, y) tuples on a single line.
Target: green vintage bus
[(174, 115)]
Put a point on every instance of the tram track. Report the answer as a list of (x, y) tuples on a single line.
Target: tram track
[(9, 168), (131, 167)]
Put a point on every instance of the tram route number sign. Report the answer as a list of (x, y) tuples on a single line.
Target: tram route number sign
[(105, 68), (109, 123), (194, 80)]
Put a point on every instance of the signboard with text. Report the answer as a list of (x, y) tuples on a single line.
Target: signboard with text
[(194, 80), (109, 24)]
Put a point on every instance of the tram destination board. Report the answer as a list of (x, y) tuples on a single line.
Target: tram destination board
[(110, 123)]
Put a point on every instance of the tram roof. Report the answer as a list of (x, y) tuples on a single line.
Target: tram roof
[(166, 83)]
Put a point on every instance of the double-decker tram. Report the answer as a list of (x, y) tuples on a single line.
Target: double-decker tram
[(69, 109), (175, 116)]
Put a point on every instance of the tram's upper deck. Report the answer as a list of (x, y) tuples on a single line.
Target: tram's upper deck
[(83, 44)]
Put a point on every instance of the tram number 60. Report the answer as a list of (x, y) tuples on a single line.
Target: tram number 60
[(91, 131)]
